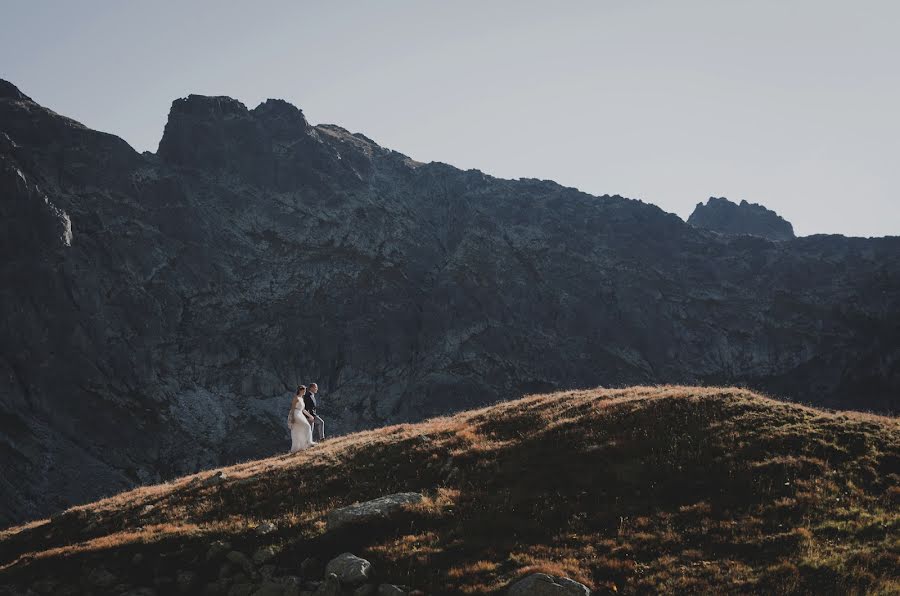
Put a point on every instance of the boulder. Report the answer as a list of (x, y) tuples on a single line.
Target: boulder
[(239, 559), (270, 589), (311, 567), (377, 508), (185, 581), (349, 569), (330, 587), (217, 550), (541, 584), (265, 528), (101, 578), (265, 553)]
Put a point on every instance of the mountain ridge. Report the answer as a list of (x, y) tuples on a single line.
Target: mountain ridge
[(197, 288)]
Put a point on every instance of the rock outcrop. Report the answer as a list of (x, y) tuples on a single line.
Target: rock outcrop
[(541, 584), (723, 216), (379, 508), (159, 309)]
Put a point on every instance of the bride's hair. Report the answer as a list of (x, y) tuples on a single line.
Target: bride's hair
[(301, 389)]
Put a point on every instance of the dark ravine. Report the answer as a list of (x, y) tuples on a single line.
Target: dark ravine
[(159, 308)]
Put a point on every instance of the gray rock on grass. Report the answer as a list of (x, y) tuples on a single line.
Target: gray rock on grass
[(541, 584), (349, 569), (377, 508)]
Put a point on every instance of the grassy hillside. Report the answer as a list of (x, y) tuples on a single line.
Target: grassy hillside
[(638, 490)]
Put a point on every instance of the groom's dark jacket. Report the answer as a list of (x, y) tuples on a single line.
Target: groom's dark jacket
[(309, 403)]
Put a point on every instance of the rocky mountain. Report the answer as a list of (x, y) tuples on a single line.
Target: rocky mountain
[(652, 490), (160, 308), (723, 216)]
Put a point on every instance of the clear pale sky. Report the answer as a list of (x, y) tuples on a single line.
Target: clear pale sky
[(792, 104)]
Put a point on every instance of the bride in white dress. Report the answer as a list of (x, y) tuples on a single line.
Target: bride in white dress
[(301, 431)]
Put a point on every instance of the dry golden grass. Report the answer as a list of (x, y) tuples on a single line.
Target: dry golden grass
[(646, 489)]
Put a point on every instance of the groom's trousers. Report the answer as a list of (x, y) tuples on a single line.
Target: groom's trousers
[(318, 428)]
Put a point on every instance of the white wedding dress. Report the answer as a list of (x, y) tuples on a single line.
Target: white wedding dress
[(301, 431)]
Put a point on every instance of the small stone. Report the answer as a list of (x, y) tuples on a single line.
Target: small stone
[(330, 587), (267, 571), (265, 554), (101, 578), (270, 589), (214, 479), (241, 560), (311, 567), (216, 588), (217, 549), (44, 586), (241, 590), (289, 580), (541, 584), (265, 528), (185, 580), (349, 569)]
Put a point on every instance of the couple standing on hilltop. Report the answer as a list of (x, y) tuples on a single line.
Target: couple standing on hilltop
[(306, 427)]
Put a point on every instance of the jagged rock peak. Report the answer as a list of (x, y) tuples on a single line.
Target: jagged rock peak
[(280, 118), (10, 91), (725, 217), (213, 105)]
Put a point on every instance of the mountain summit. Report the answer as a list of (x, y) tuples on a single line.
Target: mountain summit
[(723, 216), (161, 308)]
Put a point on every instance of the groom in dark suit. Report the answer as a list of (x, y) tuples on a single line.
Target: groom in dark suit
[(309, 410)]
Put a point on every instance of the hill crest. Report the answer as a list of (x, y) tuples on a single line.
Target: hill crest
[(648, 488)]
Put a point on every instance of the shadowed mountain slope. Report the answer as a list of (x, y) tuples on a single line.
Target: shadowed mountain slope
[(160, 308)]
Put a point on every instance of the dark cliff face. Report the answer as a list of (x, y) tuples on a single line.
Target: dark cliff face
[(723, 216), (160, 308)]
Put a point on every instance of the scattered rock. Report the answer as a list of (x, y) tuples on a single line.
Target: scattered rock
[(240, 559), (265, 554), (214, 479), (216, 588), (217, 550), (185, 580), (270, 589), (242, 589), (349, 569), (311, 567), (289, 580), (541, 584), (265, 528), (101, 578), (330, 587), (377, 508), (267, 571)]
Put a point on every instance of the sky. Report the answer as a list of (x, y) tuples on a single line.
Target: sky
[(792, 104)]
